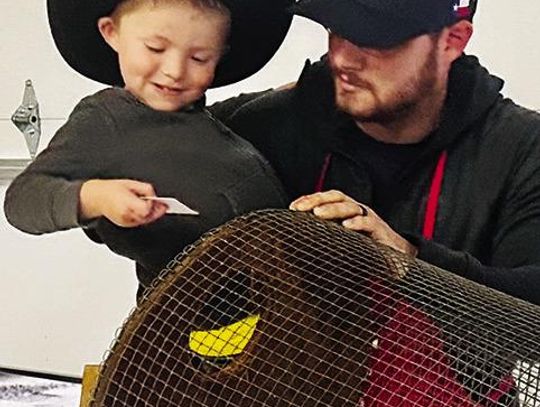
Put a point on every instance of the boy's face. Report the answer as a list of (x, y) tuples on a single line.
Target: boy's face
[(168, 52)]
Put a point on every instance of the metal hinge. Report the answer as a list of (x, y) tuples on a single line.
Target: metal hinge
[(27, 119)]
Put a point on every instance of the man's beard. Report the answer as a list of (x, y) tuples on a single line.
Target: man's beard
[(400, 103)]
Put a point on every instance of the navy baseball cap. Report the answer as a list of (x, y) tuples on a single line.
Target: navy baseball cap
[(384, 23)]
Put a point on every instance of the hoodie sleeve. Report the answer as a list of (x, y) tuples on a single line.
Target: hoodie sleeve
[(44, 198)]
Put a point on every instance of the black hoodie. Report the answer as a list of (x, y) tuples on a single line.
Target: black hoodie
[(487, 226)]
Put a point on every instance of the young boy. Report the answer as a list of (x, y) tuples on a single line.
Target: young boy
[(151, 136)]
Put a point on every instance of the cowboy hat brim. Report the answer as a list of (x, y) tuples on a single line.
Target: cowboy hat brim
[(258, 28)]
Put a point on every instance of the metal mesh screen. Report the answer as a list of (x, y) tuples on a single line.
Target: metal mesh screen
[(278, 308)]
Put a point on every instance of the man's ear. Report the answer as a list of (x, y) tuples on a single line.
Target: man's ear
[(108, 30), (458, 37)]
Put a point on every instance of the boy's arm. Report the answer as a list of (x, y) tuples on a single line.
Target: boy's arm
[(38, 203), (45, 196)]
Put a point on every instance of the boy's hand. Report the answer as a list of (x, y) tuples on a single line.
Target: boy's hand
[(119, 200)]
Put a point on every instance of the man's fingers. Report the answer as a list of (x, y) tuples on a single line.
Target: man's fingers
[(361, 223), (339, 210), (335, 205), (309, 202)]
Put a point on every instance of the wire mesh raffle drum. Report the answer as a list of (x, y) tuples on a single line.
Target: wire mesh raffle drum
[(278, 308)]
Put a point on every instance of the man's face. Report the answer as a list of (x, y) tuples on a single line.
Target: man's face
[(382, 85), (168, 52)]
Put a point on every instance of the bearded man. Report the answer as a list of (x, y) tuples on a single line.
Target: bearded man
[(398, 134)]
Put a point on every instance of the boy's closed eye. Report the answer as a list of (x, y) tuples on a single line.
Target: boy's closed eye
[(201, 58), (154, 48)]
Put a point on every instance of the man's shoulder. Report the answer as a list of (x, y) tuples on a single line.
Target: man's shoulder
[(249, 105), (312, 90), (510, 120), (508, 137)]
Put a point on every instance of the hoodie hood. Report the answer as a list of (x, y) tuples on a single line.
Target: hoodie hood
[(472, 90)]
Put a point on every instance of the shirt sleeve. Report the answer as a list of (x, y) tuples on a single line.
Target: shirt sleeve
[(44, 198)]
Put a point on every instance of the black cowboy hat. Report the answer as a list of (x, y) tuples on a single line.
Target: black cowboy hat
[(258, 28)]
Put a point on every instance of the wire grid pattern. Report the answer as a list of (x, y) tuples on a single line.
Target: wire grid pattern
[(343, 321)]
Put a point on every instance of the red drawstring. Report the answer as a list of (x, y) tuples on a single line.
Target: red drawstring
[(322, 176), (430, 218)]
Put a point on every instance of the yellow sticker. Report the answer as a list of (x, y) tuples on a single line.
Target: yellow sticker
[(229, 340)]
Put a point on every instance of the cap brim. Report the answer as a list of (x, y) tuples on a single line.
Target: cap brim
[(258, 29), (360, 24)]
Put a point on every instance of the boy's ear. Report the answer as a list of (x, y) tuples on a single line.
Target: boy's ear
[(458, 37), (107, 28)]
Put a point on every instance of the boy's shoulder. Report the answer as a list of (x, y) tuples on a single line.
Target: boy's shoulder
[(112, 102), (106, 108), (105, 96)]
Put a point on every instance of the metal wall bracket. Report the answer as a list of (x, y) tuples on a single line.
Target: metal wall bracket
[(27, 119)]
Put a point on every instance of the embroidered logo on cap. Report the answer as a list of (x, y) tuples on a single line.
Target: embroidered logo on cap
[(462, 9)]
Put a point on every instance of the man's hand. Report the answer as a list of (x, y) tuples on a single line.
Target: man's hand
[(335, 205), (120, 201)]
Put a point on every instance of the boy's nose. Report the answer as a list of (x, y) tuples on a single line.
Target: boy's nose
[(173, 66)]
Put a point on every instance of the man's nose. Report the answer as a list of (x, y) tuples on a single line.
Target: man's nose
[(344, 54)]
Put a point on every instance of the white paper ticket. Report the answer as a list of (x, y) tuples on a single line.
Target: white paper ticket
[(175, 206)]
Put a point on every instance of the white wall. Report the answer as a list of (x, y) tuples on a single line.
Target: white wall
[(61, 296), (506, 41)]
